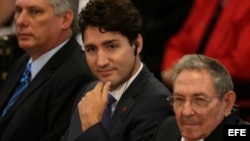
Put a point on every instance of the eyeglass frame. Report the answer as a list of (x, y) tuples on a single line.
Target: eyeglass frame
[(191, 99)]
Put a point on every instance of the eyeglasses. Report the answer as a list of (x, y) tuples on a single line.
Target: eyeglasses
[(196, 101)]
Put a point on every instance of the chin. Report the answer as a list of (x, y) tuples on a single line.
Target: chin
[(104, 80), (191, 135), (25, 45)]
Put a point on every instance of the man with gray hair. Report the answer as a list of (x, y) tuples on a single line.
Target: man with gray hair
[(203, 99), (37, 97)]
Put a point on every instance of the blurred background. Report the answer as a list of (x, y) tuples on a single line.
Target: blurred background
[(165, 24)]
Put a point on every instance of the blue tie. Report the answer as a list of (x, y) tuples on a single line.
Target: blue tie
[(24, 82), (107, 114)]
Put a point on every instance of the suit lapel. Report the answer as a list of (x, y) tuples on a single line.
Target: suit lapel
[(127, 102), (34, 84), (44, 74), (13, 81), (171, 131), (10, 88), (122, 110)]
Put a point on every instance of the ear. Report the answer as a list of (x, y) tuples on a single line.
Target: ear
[(138, 44), (229, 100), (67, 19)]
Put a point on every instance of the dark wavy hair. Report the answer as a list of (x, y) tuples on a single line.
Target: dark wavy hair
[(112, 15)]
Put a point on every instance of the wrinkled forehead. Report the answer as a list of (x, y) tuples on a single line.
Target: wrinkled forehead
[(33, 3), (191, 82)]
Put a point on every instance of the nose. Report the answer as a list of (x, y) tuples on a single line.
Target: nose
[(187, 109), (21, 19), (102, 59)]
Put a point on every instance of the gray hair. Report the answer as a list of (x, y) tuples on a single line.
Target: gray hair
[(61, 6), (221, 78)]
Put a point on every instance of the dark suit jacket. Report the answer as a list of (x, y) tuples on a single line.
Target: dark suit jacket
[(140, 109), (42, 112), (169, 130)]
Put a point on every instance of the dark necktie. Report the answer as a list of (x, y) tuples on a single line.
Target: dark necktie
[(107, 114), (24, 82)]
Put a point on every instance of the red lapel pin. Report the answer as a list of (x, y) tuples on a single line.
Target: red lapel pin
[(124, 109)]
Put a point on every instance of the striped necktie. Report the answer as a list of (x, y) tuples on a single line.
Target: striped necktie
[(23, 84)]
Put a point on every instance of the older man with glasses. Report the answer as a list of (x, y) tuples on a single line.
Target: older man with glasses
[(203, 99)]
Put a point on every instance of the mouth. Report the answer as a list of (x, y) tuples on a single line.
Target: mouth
[(189, 125), (105, 73), (190, 122), (23, 36)]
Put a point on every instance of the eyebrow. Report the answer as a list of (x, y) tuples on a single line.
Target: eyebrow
[(103, 43), (194, 94), (109, 41), (28, 7)]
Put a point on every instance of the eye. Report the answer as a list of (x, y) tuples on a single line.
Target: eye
[(112, 46), (35, 11), (179, 99), (89, 49), (18, 10), (200, 100)]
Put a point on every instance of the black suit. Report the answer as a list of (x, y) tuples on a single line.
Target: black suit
[(43, 111), (137, 114), (169, 130)]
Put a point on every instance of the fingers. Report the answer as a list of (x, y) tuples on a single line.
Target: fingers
[(98, 88), (102, 89), (106, 89), (93, 104)]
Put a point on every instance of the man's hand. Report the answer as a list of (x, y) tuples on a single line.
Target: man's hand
[(93, 104)]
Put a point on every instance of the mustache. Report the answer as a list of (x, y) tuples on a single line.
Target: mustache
[(189, 121)]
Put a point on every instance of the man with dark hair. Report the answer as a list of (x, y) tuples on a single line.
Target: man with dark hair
[(111, 31)]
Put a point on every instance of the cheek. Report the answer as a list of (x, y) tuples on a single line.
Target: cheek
[(47, 25), (178, 113), (90, 61), (124, 59), (218, 112), (211, 118)]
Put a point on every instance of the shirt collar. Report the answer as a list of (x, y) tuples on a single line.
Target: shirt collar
[(117, 93), (182, 139), (38, 64)]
